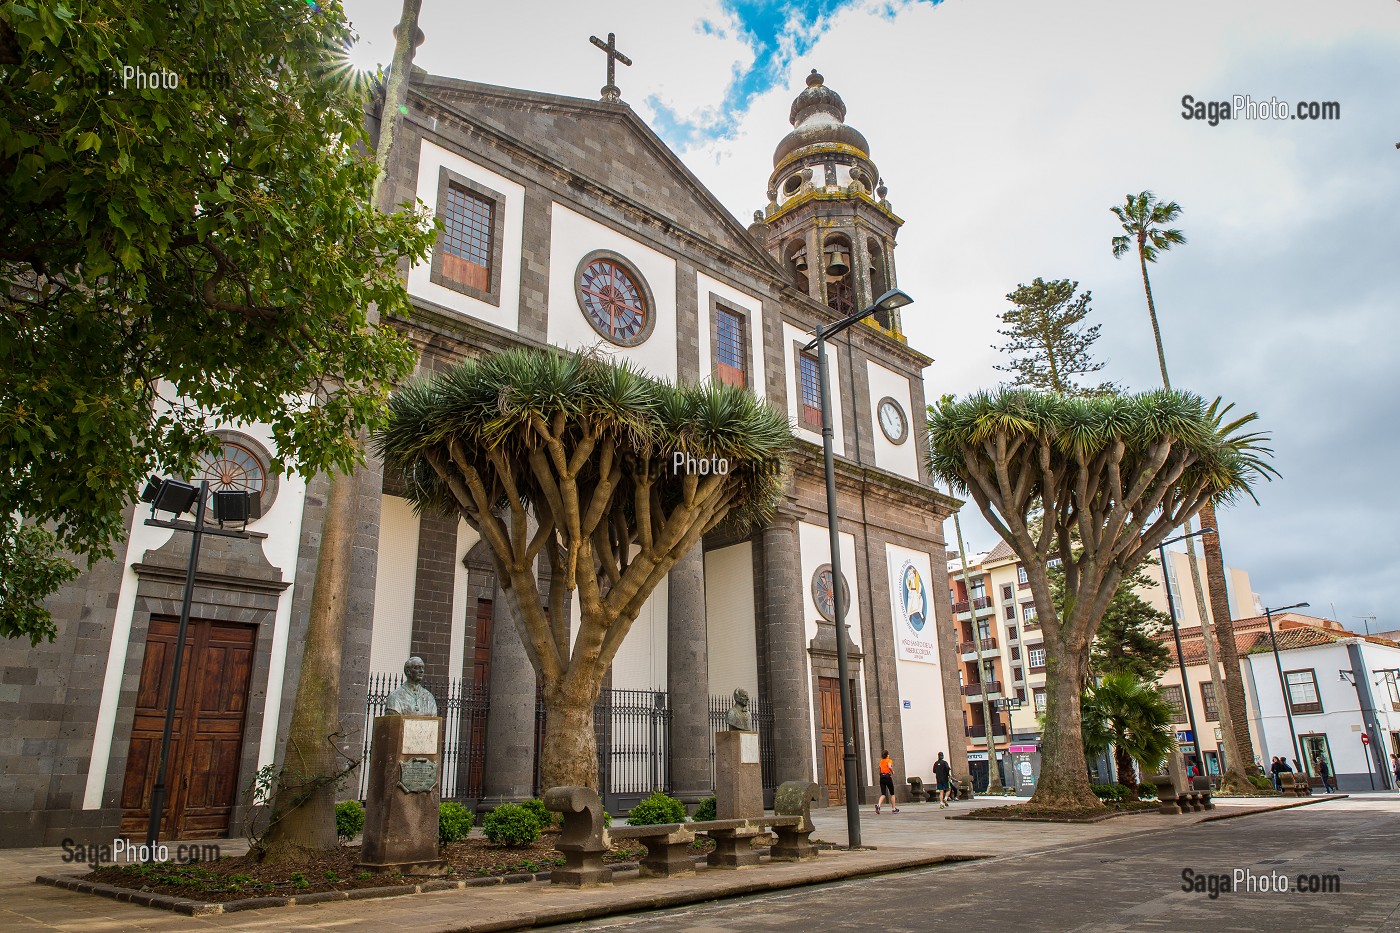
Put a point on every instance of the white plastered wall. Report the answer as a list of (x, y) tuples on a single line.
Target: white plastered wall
[(431, 160), (640, 663), (395, 581), (901, 458), (573, 236), (730, 620), (794, 395), (923, 724), (282, 525), (706, 286), (815, 542)]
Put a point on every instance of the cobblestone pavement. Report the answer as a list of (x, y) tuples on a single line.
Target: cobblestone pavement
[(1123, 883)]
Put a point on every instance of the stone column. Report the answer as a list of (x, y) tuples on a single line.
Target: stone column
[(688, 680), (788, 689), (510, 722)]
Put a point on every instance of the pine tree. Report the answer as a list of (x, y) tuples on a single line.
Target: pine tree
[(1047, 340)]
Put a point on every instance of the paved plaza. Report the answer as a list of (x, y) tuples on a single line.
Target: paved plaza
[(1120, 874)]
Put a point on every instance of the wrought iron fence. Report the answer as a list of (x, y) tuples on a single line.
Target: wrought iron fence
[(463, 708), (632, 728), (762, 715)]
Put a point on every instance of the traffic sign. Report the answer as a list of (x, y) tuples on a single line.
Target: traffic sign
[(1365, 739)]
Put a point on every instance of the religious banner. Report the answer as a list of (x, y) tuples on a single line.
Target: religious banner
[(911, 605)]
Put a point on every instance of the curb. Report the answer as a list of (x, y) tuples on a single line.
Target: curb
[(559, 914), (1287, 806)]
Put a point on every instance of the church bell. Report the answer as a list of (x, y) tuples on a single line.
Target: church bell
[(838, 261), (799, 260)]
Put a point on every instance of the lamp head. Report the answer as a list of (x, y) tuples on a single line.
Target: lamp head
[(894, 298), (174, 496)]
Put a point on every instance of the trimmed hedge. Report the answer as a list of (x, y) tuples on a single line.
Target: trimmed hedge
[(454, 822), (510, 824), (706, 811), (543, 815), (349, 819), (656, 810), (1110, 791)]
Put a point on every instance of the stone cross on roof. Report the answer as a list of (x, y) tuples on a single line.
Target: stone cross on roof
[(611, 90)]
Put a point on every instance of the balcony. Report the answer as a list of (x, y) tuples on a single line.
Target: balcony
[(969, 648), (975, 690), (977, 735)]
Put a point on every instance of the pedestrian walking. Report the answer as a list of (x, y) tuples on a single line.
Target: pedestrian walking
[(1323, 772), (1275, 769), (943, 775), (886, 781)]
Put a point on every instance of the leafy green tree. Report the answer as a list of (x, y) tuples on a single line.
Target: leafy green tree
[(1047, 339), (1129, 714), (1126, 642), (175, 257), (570, 459), (1121, 472), (1144, 218)]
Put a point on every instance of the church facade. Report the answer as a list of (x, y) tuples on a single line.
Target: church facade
[(566, 223)]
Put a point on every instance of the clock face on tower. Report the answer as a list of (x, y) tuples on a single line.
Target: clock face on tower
[(892, 421), (614, 299)]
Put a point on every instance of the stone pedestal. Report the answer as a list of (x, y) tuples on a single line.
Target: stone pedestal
[(401, 805), (738, 776)]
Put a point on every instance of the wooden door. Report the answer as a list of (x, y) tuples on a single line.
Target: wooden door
[(480, 695), (207, 739), (833, 753)]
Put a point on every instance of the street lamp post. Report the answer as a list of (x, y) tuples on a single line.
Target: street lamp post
[(1181, 657), (1283, 684), (894, 298), (176, 496)]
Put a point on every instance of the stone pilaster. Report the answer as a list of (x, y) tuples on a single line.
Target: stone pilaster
[(510, 724), (787, 651), (687, 678)]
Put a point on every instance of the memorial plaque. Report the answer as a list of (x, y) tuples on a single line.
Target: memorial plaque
[(420, 737), (418, 775), (748, 748)]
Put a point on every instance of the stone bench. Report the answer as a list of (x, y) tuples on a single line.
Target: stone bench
[(668, 845), (584, 840), (1294, 784), (928, 793), (1172, 800)]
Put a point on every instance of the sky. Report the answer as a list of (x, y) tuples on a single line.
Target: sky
[(1005, 129)]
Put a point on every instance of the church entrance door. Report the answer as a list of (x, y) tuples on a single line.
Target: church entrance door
[(833, 766), (202, 776)]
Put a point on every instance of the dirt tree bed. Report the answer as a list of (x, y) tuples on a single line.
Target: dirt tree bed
[(238, 877), (1032, 814)]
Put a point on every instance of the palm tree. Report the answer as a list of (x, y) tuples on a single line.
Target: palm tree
[(1143, 218), (568, 460), (1131, 716), (1043, 466)]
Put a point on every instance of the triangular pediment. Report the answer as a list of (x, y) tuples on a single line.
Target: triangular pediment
[(601, 143)]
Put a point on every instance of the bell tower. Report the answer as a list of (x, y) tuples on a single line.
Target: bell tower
[(828, 222)]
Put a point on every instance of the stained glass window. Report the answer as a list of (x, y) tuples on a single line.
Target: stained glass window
[(729, 347), (811, 406), (613, 302), (466, 237), (233, 467)]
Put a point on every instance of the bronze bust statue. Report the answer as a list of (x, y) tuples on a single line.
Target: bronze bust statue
[(739, 719), (412, 698)]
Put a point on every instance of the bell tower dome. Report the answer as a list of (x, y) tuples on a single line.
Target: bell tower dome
[(828, 221)]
